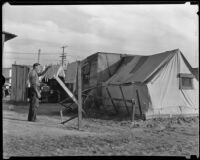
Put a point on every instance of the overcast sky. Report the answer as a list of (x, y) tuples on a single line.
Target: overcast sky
[(87, 29)]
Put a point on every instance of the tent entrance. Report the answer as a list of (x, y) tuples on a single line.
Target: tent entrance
[(116, 99)]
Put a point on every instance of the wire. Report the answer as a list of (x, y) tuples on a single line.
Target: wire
[(28, 58), (43, 54)]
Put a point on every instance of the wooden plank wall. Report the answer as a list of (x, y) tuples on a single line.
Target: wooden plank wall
[(13, 83), (17, 83), (26, 71), (19, 78)]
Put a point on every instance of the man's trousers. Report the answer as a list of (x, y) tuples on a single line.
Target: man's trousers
[(34, 104)]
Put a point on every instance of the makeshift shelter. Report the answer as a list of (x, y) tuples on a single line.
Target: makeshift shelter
[(161, 85), (54, 70), (55, 93), (57, 73)]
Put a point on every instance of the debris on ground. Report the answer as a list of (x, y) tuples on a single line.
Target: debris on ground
[(176, 136)]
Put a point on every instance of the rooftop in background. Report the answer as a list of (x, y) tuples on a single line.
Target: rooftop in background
[(8, 35)]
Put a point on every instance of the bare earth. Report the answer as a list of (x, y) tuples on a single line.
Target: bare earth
[(47, 137)]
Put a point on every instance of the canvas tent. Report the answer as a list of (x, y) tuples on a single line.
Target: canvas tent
[(99, 67), (161, 85), (71, 75)]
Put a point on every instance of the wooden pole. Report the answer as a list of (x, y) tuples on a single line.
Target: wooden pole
[(124, 99), (79, 96), (111, 100), (66, 89), (138, 98), (133, 113), (108, 66), (61, 115)]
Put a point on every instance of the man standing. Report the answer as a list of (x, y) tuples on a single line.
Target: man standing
[(34, 90)]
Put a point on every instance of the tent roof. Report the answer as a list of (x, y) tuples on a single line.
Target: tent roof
[(91, 57), (140, 68)]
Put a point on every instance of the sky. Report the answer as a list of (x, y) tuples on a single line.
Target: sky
[(87, 29)]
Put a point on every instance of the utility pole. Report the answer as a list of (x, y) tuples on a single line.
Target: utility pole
[(63, 56), (39, 56)]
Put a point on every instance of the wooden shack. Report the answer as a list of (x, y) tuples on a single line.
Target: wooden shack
[(19, 92)]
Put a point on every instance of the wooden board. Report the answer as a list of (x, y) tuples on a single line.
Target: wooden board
[(13, 83), (18, 83), (66, 89)]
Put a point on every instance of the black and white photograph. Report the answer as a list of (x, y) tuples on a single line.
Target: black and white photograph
[(100, 80)]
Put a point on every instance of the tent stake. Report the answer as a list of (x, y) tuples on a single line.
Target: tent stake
[(124, 99), (61, 115), (112, 100)]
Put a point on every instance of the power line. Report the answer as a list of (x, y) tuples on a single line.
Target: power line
[(18, 58), (43, 54), (19, 52), (28, 58)]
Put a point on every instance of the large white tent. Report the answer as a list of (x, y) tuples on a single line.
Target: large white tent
[(161, 84)]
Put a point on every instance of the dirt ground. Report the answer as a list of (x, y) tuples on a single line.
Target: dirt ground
[(47, 137)]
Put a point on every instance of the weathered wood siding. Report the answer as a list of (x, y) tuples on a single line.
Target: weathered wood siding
[(18, 83)]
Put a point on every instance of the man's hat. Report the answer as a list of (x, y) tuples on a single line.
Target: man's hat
[(35, 64)]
